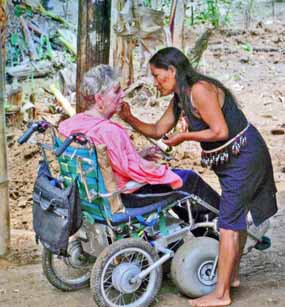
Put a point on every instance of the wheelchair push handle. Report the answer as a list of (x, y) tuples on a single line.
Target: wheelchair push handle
[(36, 126), (79, 138)]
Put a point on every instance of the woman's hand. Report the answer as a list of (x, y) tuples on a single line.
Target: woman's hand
[(152, 153), (125, 111), (174, 139)]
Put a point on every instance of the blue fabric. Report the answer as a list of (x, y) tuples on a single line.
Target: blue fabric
[(247, 180), (129, 212), (43, 168), (134, 212), (247, 184), (192, 184)]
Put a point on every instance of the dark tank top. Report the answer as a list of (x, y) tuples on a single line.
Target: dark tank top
[(235, 119)]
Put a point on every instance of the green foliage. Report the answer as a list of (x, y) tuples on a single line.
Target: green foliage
[(44, 49), (212, 12), (7, 107), (147, 3), (16, 46), (247, 47), (14, 39), (21, 10), (52, 109), (164, 3)]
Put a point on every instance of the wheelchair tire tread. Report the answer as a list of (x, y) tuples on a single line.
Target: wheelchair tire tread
[(53, 279), (104, 257)]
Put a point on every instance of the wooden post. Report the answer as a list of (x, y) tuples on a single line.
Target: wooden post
[(4, 195), (114, 17), (117, 6), (93, 39), (177, 18)]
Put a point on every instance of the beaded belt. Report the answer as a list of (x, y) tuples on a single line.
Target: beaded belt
[(221, 155)]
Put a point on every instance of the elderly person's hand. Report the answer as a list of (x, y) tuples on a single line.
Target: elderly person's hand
[(152, 153), (125, 111), (174, 139)]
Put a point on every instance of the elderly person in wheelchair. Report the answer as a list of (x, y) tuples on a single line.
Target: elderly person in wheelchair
[(103, 95), (138, 216)]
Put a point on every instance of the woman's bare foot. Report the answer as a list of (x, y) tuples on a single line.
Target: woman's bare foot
[(211, 300)]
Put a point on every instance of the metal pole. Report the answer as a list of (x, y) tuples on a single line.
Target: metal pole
[(4, 195)]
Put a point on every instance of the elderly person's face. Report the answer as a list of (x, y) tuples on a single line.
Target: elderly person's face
[(164, 79), (112, 100)]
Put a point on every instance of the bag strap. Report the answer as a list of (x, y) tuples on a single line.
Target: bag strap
[(151, 223)]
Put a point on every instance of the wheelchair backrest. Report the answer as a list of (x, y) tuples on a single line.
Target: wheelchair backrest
[(82, 163)]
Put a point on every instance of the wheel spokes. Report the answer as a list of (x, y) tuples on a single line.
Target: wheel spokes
[(119, 292), (66, 272)]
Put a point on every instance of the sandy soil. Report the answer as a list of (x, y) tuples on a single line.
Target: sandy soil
[(258, 80), (262, 277)]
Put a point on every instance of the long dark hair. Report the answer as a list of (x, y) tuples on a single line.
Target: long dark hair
[(186, 75)]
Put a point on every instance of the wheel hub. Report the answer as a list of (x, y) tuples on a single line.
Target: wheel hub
[(204, 273), (122, 276), (76, 257)]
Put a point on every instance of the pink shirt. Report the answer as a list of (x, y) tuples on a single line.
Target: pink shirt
[(126, 163)]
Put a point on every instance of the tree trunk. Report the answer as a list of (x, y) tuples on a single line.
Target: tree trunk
[(4, 195), (200, 46), (117, 5), (247, 14), (177, 23), (93, 39)]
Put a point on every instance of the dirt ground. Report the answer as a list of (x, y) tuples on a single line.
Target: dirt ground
[(258, 80)]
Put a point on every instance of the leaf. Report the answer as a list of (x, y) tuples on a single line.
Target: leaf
[(19, 10), (52, 109), (7, 106), (247, 47), (14, 39), (49, 51)]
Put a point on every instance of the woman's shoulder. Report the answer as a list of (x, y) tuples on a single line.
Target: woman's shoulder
[(200, 90), (203, 92), (202, 87)]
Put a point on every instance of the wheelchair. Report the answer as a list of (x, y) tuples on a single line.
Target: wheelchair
[(123, 255)]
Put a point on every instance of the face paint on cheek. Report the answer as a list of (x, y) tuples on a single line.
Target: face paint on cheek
[(165, 82)]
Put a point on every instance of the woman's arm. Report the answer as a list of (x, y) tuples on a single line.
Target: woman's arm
[(156, 130), (206, 101)]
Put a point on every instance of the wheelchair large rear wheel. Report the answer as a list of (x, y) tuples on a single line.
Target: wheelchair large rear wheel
[(68, 273), (112, 277), (193, 267)]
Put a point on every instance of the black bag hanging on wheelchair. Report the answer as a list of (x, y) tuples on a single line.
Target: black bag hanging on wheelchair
[(56, 211)]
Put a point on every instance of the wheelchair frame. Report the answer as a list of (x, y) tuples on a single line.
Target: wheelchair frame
[(96, 235)]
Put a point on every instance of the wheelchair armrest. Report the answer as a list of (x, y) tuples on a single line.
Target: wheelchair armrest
[(128, 187), (131, 185)]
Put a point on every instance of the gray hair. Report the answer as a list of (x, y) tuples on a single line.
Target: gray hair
[(97, 80)]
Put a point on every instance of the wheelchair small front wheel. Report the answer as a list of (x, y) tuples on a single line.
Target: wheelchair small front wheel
[(193, 267), (113, 275), (68, 273)]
